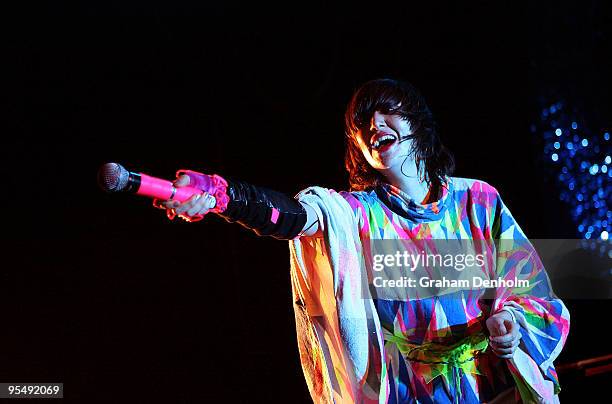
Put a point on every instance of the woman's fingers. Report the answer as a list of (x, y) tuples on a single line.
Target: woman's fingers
[(203, 205), (500, 323), (197, 205), (182, 181), (505, 341), (505, 353), (188, 204), (172, 204), (510, 345), (193, 208), (505, 345), (511, 335)]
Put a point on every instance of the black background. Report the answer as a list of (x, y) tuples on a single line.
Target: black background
[(104, 294)]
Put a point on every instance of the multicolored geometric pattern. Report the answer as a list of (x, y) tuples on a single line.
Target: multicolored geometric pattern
[(422, 350)]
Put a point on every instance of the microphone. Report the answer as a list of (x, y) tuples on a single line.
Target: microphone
[(113, 177)]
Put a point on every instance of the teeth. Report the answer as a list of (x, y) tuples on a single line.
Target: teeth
[(376, 143)]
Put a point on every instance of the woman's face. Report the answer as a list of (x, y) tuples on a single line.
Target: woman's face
[(386, 142)]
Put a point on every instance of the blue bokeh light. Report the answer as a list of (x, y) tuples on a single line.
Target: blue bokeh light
[(581, 165)]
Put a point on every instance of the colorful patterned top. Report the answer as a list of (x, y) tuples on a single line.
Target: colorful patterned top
[(355, 347)]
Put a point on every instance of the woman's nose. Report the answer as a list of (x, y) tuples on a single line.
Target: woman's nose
[(378, 121)]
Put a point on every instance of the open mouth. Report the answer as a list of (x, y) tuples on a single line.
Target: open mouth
[(382, 142)]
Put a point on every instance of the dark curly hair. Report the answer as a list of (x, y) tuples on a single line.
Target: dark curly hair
[(385, 95)]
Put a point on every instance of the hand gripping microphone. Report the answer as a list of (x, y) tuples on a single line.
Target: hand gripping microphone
[(113, 177)]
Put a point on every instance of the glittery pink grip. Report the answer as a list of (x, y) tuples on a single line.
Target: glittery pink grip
[(214, 184)]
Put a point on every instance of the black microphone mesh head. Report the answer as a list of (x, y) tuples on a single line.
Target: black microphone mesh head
[(113, 177)]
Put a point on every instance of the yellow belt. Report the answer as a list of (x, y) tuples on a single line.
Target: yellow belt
[(442, 360)]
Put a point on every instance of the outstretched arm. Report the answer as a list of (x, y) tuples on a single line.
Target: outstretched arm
[(266, 212)]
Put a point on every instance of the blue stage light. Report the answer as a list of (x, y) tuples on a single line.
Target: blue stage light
[(581, 168)]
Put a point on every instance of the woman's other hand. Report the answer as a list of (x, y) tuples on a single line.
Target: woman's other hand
[(505, 335)]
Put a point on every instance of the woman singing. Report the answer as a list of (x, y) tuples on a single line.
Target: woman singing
[(357, 346)]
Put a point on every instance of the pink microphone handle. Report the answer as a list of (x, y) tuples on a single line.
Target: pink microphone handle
[(164, 190)]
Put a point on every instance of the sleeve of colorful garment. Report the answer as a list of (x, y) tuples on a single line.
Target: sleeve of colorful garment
[(543, 318), (339, 338)]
